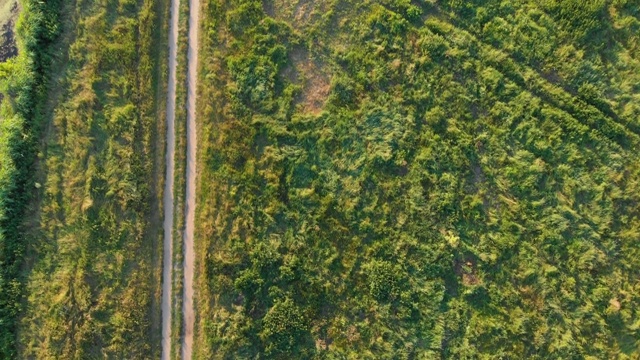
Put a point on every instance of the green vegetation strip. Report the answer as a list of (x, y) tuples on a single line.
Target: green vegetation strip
[(24, 83), (92, 285), (179, 183)]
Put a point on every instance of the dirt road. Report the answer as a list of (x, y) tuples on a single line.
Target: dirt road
[(187, 304), (167, 260), (192, 66)]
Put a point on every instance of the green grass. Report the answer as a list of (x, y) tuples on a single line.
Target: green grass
[(92, 277), (23, 82), (466, 187)]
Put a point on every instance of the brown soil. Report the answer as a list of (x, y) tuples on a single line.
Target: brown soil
[(8, 47), (312, 75), (298, 13), (466, 269)]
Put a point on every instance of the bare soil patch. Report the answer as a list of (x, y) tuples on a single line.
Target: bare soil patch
[(312, 75), (466, 269), (8, 47)]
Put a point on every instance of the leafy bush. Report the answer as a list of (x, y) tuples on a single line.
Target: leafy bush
[(384, 282), (283, 328)]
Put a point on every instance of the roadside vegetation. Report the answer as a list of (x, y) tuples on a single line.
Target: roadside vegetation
[(179, 188), (404, 179), (23, 85), (88, 105)]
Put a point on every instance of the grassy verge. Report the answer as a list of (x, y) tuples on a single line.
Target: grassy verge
[(160, 84), (92, 277), (208, 87), (179, 174)]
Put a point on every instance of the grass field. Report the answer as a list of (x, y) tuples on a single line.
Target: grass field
[(418, 179)]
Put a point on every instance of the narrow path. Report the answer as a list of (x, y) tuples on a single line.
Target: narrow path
[(192, 67), (167, 258)]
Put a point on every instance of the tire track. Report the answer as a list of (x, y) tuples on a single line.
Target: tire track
[(530, 80), (167, 259), (189, 256)]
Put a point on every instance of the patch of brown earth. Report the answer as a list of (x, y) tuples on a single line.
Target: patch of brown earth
[(466, 269), (352, 334), (321, 344), (312, 75), (8, 47), (303, 11), (299, 13), (615, 304)]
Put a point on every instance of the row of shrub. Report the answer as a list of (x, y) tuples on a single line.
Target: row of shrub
[(24, 85)]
